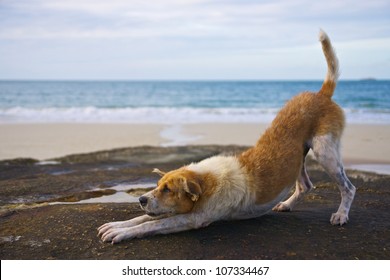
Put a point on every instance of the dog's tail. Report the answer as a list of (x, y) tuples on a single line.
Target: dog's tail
[(330, 81)]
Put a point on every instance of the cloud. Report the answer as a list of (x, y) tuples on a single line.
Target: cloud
[(228, 37), (175, 18)]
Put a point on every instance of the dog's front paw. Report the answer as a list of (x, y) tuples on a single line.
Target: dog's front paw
[(338, 219), (116, 235), (104, 228), (282, 207)]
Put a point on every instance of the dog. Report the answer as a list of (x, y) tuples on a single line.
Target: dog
[(256, 181)]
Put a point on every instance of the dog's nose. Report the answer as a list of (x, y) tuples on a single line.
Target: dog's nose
[(143, 200)]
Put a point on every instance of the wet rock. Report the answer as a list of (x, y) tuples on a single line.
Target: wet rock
[(31, 227)]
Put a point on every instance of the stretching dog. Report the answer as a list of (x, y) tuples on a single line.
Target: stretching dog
[(251, 184)]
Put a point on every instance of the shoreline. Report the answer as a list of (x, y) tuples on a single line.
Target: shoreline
[(363, 145)]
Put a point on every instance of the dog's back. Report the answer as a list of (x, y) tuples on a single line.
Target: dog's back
[(276, 160)]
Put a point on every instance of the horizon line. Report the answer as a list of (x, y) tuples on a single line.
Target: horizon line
[(189, 80)]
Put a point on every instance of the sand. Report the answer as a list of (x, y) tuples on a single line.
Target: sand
[(45, 141), (362, 144)]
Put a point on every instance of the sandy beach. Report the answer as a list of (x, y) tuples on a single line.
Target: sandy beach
[(362, 144), (45, 141)]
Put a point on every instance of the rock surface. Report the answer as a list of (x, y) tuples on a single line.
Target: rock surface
[(41, 216)]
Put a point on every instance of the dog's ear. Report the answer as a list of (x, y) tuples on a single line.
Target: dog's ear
[(159, 172), (193, 189)]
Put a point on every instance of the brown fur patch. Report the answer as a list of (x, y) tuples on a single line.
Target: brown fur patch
[(328, 88), (274, 163), (170, 193), (181, 189)]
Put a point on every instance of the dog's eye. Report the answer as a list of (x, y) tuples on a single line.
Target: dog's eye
[(166, 189)]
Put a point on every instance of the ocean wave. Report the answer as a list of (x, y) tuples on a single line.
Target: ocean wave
[(166, 115)]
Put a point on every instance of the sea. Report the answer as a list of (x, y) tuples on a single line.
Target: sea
[(179, 102)]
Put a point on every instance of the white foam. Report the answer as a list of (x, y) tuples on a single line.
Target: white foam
[(363, 116), (163, 115), (166, 115)]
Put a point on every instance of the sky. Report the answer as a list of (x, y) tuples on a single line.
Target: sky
[(191, 39)]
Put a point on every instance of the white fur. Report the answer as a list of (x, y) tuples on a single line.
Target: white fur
[(232, 189), (331, 58), (327, 151), (322, 36), (232, 198)]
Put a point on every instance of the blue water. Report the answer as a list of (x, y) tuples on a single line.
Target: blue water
[(178, 102)]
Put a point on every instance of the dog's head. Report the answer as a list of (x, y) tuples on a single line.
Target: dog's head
[(176, 193)]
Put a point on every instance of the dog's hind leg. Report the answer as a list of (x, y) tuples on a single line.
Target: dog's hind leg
[(326, 150), (302, 186)]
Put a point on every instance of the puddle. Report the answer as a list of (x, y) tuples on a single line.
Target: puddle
[(122, 193), (62, 172), (48, 162)]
